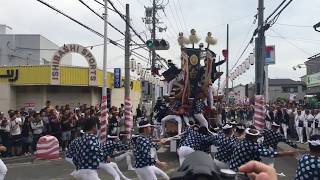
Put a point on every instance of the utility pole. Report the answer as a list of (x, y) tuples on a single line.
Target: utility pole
[(219, 69), (227, 67), (127, 55), (260, 50), (266, 83), (153, 37), (103, 119)]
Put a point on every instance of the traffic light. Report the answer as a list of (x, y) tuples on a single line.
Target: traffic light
[(149, 44), (158, 44)]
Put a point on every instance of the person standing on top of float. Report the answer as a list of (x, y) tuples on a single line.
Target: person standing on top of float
[(309, 164), (308, 123), (299, 123), (88, 153), (144, 151)]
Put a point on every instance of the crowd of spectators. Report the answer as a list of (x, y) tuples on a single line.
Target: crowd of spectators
[(21, 129)]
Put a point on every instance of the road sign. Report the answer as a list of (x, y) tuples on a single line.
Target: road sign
[(117, 77)]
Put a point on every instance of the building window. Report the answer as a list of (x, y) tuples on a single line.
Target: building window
[(290, 89)]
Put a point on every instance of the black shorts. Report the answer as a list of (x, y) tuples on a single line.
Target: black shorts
[(16, 139)]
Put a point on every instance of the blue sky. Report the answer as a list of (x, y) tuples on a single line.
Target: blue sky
[(293, 44)]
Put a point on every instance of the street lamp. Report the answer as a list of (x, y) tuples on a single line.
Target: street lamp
[(299, 66), (316, 26)]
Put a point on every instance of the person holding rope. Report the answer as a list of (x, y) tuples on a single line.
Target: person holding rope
[(309, 164), (226, 145), (249, 149), (87, 153), (144, 151), (195, 138), (108, 149)]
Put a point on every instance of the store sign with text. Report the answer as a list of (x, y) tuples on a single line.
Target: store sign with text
[(73, 48)]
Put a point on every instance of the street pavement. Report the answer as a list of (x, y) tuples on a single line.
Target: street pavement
[(28, 168)]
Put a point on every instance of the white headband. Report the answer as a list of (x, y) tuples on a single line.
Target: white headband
[(315, 143), (113, 137), (146, 125), (247, 132), (275, 124), (227, 126)]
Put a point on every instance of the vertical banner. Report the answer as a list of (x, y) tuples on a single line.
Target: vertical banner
[(194, 68), (117, 77), (259, 113), (103, 120), (270, 55)]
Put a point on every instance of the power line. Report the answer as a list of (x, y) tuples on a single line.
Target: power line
[(103, 5), (134, 31), (170, 24), (293, 44), (294, 25), (183, 17), (90, 29), (174, 18), (314, 41), (100, 16), (103, 19), (178, 16)]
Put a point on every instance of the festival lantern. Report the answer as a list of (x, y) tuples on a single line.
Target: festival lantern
[(240, 70), (133, 65), (139, 68), (251, 59), (247, 63), (243, 66)]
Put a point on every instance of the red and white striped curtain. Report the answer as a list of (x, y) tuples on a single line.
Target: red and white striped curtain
[(128, 115), (259, 113), (103, 120)]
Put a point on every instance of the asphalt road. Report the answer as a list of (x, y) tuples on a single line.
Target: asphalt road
[(29, 169)]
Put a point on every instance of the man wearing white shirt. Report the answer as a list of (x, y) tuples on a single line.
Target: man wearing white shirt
[(37, 129), (299, 123), (15, 131), (308, 123), (316, 122)]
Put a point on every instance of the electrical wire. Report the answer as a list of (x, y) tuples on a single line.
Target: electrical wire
[(103, 5), (174, 18), (178, 16), (134, 31), (86, 5), (95, 32), (182, 14), (170, 24), (293, 25), (293, 44)]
